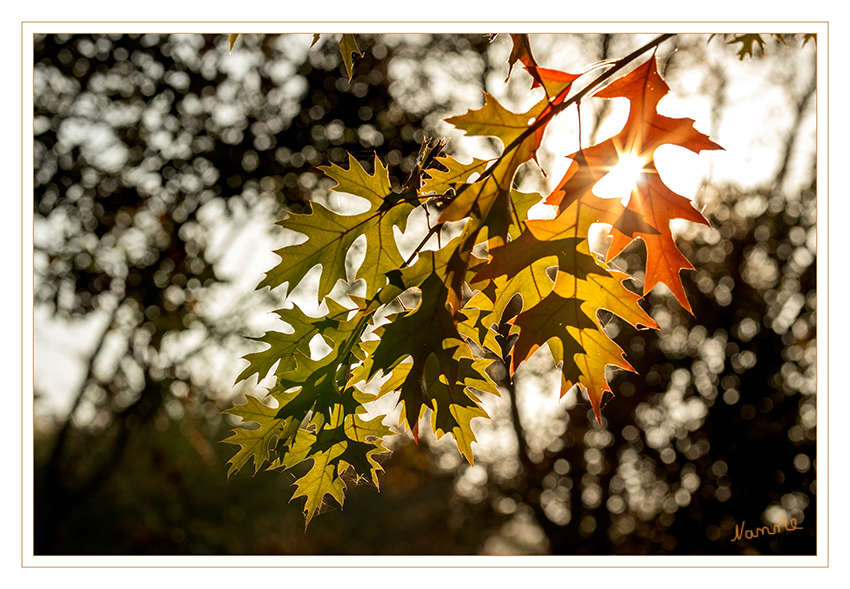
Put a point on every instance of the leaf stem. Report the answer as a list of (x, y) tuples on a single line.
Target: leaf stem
[(619, 64), (422, 243)]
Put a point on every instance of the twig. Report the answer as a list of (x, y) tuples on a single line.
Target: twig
[(575, 99), (422, 243)]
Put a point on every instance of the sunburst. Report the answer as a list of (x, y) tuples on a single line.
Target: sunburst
[(622, 178)]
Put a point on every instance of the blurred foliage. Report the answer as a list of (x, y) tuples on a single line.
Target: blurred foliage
[(142, 144), (171, 495), (146, 144)]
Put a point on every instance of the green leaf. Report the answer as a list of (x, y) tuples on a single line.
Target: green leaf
[(337, 438), (345, 442), (283, 346), (442, 365), (322, 479), (322, 384), (455, 175), (327, 381), (254, 443), (331, 235)]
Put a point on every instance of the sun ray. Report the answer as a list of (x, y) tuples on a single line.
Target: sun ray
[(621, 179)]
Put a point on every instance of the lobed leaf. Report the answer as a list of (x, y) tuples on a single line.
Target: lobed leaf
[(427, 330), (653, 205), (331, 235)]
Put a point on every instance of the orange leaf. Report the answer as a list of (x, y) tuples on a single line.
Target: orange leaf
[(652, 205)]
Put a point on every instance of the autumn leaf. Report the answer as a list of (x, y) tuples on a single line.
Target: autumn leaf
[(520, 51), (442, 362), (519, 267), (585, 349), (348, 47), (563, 313), (652, 206), (490, 200), (554, 82), (644, 132), (656, 205)]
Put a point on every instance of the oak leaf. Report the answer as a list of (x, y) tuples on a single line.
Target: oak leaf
[(443, 367), (652, 205), (331, 235)]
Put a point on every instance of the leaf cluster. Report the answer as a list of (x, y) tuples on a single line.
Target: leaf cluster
[(750, 41), (435, 356)]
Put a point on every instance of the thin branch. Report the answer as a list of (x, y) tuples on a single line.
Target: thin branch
[(519, 430), (575, 99), (422, 243), (793, 134), (602, 110)]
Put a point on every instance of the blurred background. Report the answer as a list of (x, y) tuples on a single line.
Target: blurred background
[(161, 163)]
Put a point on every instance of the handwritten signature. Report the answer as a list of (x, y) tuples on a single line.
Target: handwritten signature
[(764, 530)]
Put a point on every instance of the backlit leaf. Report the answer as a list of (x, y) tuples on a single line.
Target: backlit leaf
[(348, 47), (331, 235)]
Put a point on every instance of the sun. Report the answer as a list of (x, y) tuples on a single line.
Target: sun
[(621, 179)]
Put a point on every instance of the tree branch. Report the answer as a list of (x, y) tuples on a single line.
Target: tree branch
[(793, 134), (575, 99), (422, 243)]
